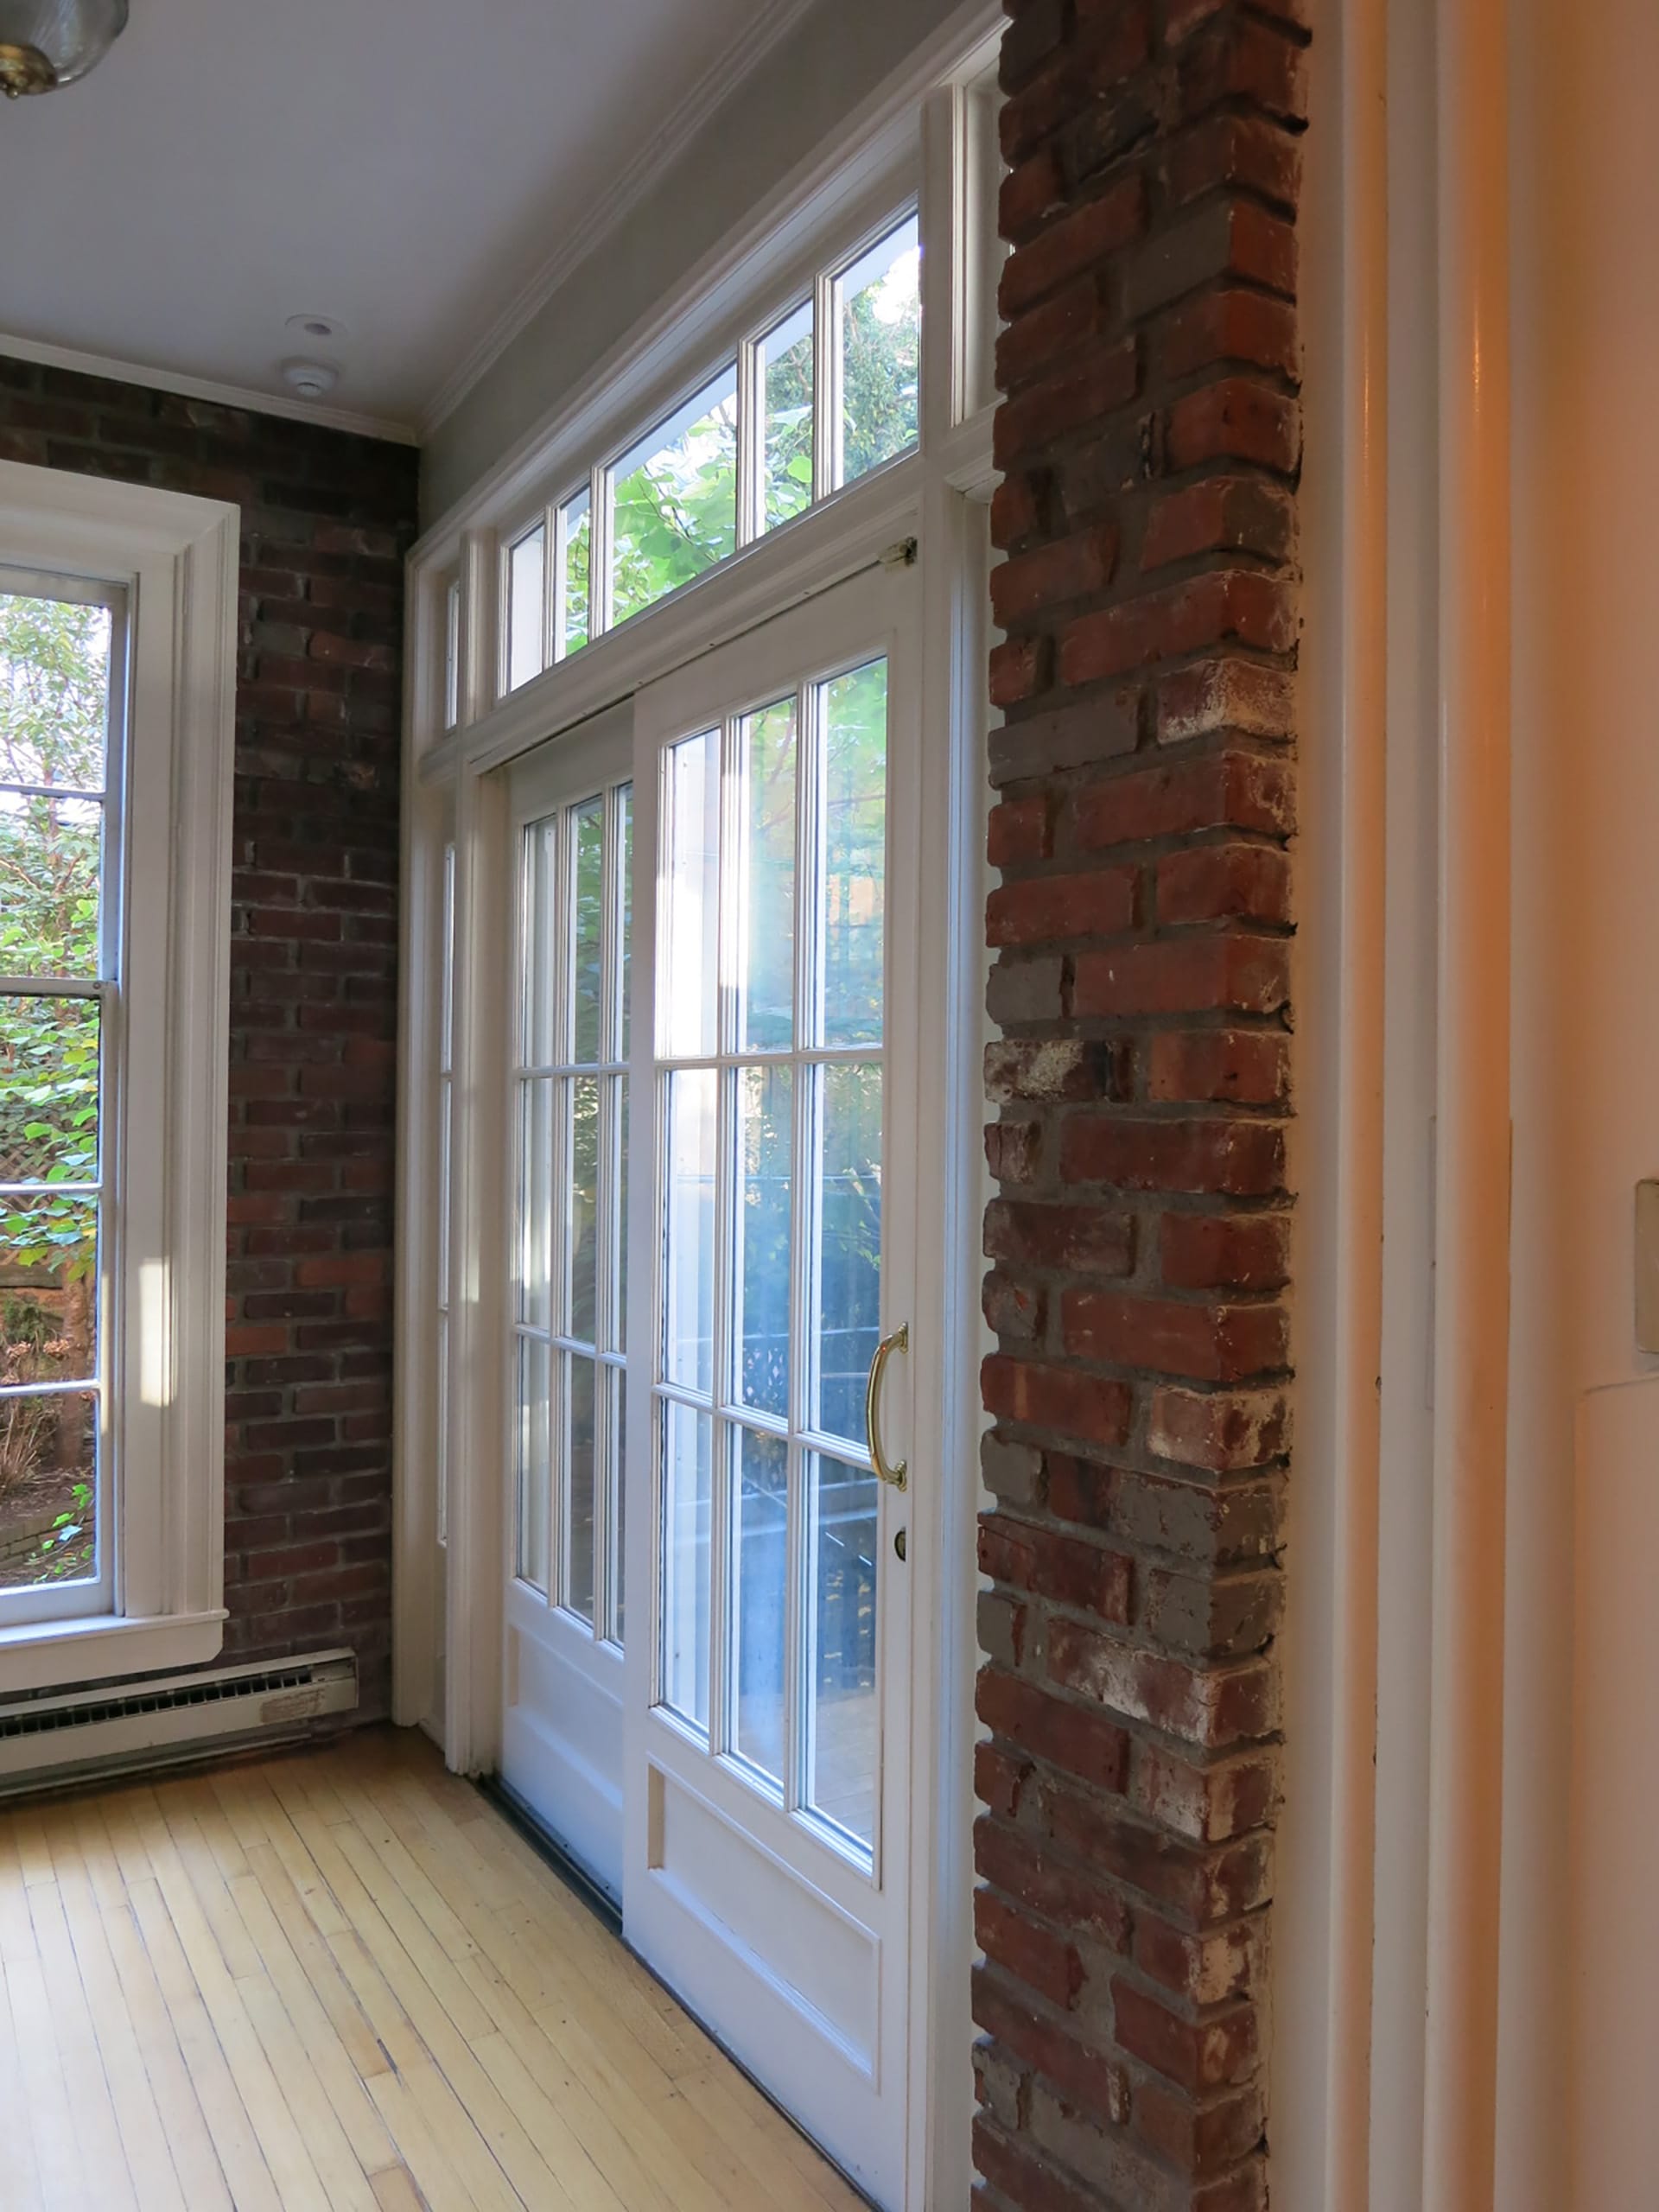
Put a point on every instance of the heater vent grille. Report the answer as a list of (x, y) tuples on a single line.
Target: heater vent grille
[(50, 1720)]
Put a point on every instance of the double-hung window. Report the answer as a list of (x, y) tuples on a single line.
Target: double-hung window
[(117, 672)]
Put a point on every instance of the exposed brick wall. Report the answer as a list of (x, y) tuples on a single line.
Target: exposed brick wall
[(326, 522), (1149, 442)]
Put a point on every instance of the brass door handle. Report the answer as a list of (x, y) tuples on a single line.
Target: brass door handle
[(899, 1341)]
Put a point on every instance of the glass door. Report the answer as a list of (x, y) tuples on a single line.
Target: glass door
[(572, 806), (767, 1865)]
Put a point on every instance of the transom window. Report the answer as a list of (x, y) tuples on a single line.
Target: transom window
[(62, 656), (827, 390)]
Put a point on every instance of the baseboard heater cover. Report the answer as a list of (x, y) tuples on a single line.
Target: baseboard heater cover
[(56, 1739)]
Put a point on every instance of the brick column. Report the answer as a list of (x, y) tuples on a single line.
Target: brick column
[(1149, 441)]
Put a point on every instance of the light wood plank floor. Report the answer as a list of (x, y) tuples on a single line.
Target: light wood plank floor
[(339, 1979)]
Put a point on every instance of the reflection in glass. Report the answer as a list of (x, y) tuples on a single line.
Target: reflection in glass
[(853, 712), (688, 1447), (675, 499), (540, 1046), (536, 1203), (844, 1532), (689, 1259), (879, 309), (48, 1089), (761, 1528), (580, 1446), (766, 753), (588, 837), (571, 625), (688, 996), (526, 597), (784, 378), (582, 1228), (849, 1245), (765, 1152), (534, 1461)]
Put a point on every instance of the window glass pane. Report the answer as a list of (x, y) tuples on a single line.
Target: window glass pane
[(50, 854), (587, 839), (536, 1203), (767, 753), (540, 941), (688, 996), (572, 629), (49, 1091), (688, 1449), (48, 1294), (689, 1259), (853, 721), (761, 1523), (526, 597), (618, 1384), (849, 1245), (765, 1152), (582, 1229), (452, 656), (54, 692), (624, 817), (579, 1380), (48, 1490), (616, 1335), (534, 1462), (842, 1525), (675, 499), (879, 304), (783, 379)]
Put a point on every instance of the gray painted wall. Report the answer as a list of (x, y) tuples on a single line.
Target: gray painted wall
[(833, 60)]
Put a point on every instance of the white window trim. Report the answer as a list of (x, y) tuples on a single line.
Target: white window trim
[(177, 558)]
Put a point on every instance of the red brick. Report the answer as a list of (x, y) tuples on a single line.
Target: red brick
[(1223, 514), (1077, 242), (1225, 1432), (1106, 378), (1228, 1159), (1232, 973), (1082, 1239), (1239, 1067), (1211, 1343), (1039, 909), (1232, 325), (1230, 605), (1042, 1396), (1055, 1729), (1238, 419), (1224, 1251), (1244, 696), (1223, 791), (1031, 583), (1035, 1955), (1021, 831), (1019, 669)]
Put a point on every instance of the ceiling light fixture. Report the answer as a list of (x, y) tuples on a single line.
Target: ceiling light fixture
[(45, 43), (311, 379)]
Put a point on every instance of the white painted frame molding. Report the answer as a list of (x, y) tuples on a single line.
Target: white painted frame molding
[(928, 136), (176, 556), (1385, 2055)]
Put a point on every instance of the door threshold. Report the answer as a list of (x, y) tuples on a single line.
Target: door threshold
[(556, 1856)]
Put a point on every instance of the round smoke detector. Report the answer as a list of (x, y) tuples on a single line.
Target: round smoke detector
[(311, 379)]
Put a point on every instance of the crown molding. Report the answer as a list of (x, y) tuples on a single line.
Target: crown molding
[(220, 395), (609, 209)]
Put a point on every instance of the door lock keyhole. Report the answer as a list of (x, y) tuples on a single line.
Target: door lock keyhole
[(899, 1544)]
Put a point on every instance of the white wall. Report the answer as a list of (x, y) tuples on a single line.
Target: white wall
[(1580, 2054)]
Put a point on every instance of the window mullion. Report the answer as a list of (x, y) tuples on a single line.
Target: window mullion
[(751, 417), (602, 529)]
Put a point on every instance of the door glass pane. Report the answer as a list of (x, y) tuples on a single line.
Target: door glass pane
[(582, 1320), (688, 994), (675, 499), (526, 594), (616, 1334), (761, 1523), (536, 1203), (852, 719), (766, 749), (534, 1460), (49, 1087), (576, 537), (784, 377), (879, 303), (849, 1245), (588, 965), (689, 1259), (765, 1156), (618, 1384), (540, 943), (688, 1498), (579, 1382), (842, 1585), (624, 827), (48, 1487)]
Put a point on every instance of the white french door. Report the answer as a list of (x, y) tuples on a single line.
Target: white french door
[(562, 1678), (765, 1869)]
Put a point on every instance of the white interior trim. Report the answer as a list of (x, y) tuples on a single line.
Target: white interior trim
[(177, 557), (246, 396)]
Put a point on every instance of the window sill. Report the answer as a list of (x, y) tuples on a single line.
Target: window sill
[(54, 1655)]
